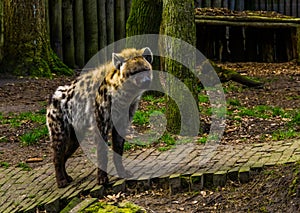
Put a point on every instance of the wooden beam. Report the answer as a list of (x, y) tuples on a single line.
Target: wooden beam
[(246, 24)]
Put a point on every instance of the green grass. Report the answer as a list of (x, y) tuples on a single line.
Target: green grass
[(168, 142), (16, 120), (33, 136), (24, 166), (142, 117), (262, 111), (203, 98), (4, 164), (285, 134)]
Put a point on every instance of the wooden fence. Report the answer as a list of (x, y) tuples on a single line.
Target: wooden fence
[(287, 7), (79, 28)]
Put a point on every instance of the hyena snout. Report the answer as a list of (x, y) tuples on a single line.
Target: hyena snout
[(143, 79)]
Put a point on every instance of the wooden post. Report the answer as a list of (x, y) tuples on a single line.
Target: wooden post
[(68, 34), (294, 8), (225, 3), (79, 34), (110, 21), (56, 27), (128, 6), (1, 30), (91, 28), (216, 3), (120, 22), (298, 44), (102, 23)]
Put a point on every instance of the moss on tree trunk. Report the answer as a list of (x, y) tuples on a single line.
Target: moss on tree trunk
[(178, 22), (27, 48)]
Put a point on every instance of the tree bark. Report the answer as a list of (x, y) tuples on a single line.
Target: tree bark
[(141, 13), (178, 22), (27, 46), (68, 33), (79, 33)]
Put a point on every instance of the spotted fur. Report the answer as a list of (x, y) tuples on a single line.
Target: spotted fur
[(89, 102)]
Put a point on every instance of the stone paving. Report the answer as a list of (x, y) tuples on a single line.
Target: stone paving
[(189, 166)]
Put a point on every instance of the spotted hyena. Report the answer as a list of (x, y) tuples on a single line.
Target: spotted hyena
[(98, 94)]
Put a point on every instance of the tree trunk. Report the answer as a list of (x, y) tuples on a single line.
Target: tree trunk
[(79, 33), (27, 47), (178, 22), (68, 33), (91, 28), (141, 13)]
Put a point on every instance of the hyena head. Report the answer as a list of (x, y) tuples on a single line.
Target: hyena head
[(135, 66)]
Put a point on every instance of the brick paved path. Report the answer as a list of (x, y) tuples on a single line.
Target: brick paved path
[(191, 166)]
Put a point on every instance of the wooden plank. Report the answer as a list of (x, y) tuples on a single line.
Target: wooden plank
[(79, 33), (239, 5), (249, 19), (2, 30), (236, 44), (110, 21), (287, 8), (91, 28), (225, 3), (231, 4), (298, 8), (68, 34), (206, 3), (294, 8), (217, 3), (281, 7), (56, 27), (120, 21), (251, 43), (247, 24), (128, 6), (298, 43), (102, 23)]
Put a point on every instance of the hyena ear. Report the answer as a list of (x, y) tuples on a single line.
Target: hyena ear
[(117, 60), (147, 54)]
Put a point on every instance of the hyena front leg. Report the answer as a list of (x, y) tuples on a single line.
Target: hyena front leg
[(118, 148), (102, 159)]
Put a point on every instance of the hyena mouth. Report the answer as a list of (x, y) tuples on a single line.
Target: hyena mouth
[(142, 79)]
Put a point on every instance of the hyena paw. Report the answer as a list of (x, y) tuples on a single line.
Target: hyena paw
[(102, 178), (125, 174), (62, 183), (69, 179)]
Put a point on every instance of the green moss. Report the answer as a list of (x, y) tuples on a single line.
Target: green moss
[(124, 207)]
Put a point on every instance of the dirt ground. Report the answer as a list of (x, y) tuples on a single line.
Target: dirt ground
[(269, 192)]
